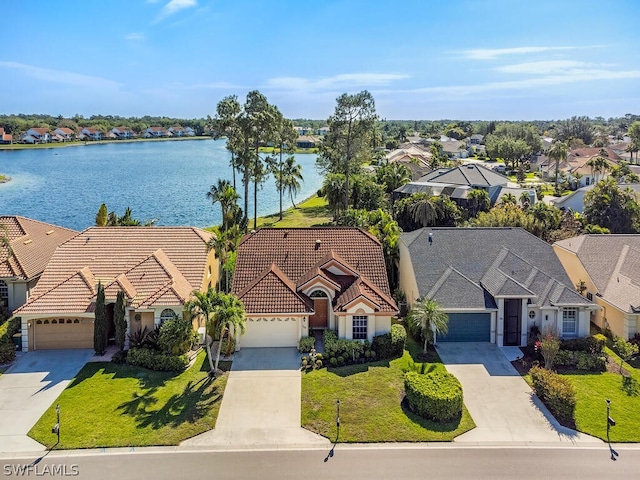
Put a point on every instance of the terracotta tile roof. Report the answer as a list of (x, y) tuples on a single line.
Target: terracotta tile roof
[(32, 243), (339, 255), (361, 288), (40, 130), (152, 265)]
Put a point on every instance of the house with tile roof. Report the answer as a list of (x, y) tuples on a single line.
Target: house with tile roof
[(609, 266), (292, 280), (155, 132), (31, 244), (5, 138), (91, 133), (458, 182), (36, 135), (64, 134), (494, 283), (157, 268)]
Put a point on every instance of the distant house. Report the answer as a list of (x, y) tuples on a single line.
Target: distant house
[(91, 133), (415, 157), (5, 138), (494, 284), (458, 182), (36, 135), (189, 131), (575, 200), (576, 163), (64, 134), (155, 132), (291, 280), (32, 245), (306, 141), (475, 139), (157, 269), (609, 266), (322, 131), (177, 132), (122, 133)]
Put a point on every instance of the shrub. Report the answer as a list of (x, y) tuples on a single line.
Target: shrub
[(349, 350), (590, 361), (137, 337), (584, 344), (565, 358), (306, 344), (318, 364), (625, 350), (340, 360), (333, 361), (549, 347), (144, 357), (176, 336), (120, 357), (635, 340), (556, 392), (7, 330), (390, 345), (436, 395)]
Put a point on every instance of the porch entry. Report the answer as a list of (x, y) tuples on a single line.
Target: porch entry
[(512, 321), (321, 307)]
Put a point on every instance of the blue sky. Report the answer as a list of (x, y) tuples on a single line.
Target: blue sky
[(482, 59)]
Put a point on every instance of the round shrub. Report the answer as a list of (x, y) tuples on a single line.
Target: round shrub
[(437, 395), (341, 360), (333, 361), (556, 392), (318, 364)]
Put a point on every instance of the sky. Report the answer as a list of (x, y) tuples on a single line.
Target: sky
[(421, 60)]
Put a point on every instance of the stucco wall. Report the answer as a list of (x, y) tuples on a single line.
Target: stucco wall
[(407, 281)]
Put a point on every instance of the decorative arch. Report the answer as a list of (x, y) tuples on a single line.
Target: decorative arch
[(167, 314)]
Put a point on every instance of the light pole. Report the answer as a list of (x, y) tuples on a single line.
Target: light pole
[(56, 427), (338, 414), (610, 423)]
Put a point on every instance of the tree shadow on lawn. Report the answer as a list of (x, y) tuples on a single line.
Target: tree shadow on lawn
[(147, 378), (193, 403), (429, 424)]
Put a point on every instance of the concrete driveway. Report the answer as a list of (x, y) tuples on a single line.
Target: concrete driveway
[(501, 403), (261, 403), (28, 388)]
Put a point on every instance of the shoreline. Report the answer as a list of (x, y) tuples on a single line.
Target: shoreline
[(26, 146), (4, 179)]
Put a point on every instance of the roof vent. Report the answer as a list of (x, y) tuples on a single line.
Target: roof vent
[(318, 243), (430, 237), (252, 232), (28, 241), (49, 232), (469, 167)]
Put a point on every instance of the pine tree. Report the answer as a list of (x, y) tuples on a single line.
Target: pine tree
[(100, 324), (119, 320)]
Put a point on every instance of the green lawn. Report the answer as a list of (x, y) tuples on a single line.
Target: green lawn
[(592, 389), (371, 406), (109, 405), (310, 213)]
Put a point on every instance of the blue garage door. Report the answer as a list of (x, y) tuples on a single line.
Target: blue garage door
[(468, 327)]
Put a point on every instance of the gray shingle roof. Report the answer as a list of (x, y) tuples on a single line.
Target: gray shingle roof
[(461, 262), (470, 174)]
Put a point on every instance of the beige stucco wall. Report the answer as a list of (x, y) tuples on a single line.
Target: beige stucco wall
[(407, 280), (211, 272)]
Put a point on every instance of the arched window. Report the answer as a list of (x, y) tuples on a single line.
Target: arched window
[(167, 314), (318, 294)]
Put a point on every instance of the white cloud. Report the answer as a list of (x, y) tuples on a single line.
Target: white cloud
[(135, 36), (59, 76), (345, 80), (174, 6), (494, 53)]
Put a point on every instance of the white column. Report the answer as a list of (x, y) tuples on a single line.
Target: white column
[(500, 323), (524, 323)]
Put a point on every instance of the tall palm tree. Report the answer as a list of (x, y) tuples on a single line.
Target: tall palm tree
[(228, 318), (599, 165), (525, 200), (430, 318), (424, 211), (509, 198), (291, 177), (558, 152), (202, 305), (216, 193), (478, 201)]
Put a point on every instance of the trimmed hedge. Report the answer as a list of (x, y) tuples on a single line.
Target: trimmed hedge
[(351, 351), (153, 360), (437, 395), (556, 392), (390, 345), (305, 344), (585, 344), (581, 360), (7, 330)]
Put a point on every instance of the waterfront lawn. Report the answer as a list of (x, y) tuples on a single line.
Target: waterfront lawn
[(592, 389), (109, 405), (371, 403), (310, 213)]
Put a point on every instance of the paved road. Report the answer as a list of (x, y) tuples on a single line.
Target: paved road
[(389, 462), (500, 402), (28, 388)]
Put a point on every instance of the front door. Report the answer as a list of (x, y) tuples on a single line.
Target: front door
[(319, 318), (512, 321)]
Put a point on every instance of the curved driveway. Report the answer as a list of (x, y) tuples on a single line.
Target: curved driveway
[(501, 403)]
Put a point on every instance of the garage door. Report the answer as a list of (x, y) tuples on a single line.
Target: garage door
[(468, 327), (271, 332), (64, 333)]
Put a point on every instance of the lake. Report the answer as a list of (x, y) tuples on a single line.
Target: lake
[(166, 181)]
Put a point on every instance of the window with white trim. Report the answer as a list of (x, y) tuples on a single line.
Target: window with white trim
[(360, 327), (4, 294), (569, 321)]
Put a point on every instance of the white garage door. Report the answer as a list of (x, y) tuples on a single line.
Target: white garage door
[(271, 332)]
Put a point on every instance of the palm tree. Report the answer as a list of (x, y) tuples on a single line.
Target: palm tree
[(202, 305), (5, 242), (223, 243), (509, 198), (291, 177), (430, 318), (424, 211), (228, 318), (478, 201), (525, 200), (558, 152), (598, 165)]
